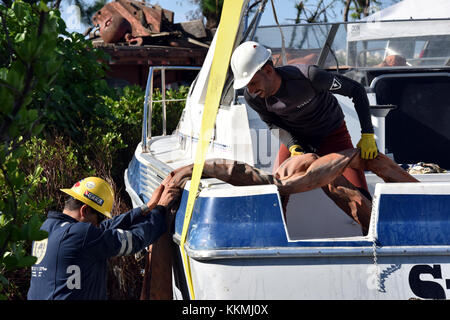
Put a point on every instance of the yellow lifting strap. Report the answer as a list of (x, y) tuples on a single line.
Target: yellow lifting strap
[(229, 25)]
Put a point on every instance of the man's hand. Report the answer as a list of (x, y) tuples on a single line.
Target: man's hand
[(170, 199), (156, 196), (368, 146), (170, 196), (296, 150)]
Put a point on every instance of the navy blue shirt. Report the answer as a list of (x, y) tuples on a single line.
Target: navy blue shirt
[(72, 261)]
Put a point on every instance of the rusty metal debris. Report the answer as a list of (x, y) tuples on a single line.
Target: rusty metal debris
[(135, 23)]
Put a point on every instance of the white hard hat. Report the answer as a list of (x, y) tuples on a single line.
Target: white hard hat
[(246, 60)]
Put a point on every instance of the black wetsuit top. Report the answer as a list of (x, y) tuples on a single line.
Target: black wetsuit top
[(305, 106)]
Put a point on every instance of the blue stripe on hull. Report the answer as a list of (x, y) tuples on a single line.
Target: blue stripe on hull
[(244, 221), (241, 222), (414, 219), (256, 221)]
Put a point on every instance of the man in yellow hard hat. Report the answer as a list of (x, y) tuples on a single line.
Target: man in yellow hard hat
[(72, 261)]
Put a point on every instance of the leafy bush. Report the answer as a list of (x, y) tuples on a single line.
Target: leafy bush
[(59, 168), (173, 109), (29, 62), (74, 99), (50, 89), (127, 113), (59, 122)]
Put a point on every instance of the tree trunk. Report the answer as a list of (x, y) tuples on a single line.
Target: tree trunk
[(366, 8), (346, 9)]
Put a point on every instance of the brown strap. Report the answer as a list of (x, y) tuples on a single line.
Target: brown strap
[(145, 291)]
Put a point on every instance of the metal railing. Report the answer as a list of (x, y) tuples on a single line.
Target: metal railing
[(148, 101)]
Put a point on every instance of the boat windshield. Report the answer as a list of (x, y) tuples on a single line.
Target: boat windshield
[(368, 44)]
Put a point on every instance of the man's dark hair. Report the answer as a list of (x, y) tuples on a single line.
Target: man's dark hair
[(268, 63), (74, 204)]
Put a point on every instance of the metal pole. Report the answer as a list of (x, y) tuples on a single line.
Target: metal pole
[(148, 102), (327, 46), (258, 15), (145, 117), (149, 128), (163, 87)]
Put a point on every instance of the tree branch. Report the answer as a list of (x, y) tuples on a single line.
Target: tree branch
[(366, 8), (56, 4), (346, 9)]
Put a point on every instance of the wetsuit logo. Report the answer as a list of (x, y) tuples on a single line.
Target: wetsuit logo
[(336, 84), (304, 103)]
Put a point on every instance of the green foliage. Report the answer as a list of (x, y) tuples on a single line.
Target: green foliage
[(127, 112), (211, 6), (29, 61), (56, 156), (73, 99), (211, 10), (173, 109), (59, 122), (126, 109)]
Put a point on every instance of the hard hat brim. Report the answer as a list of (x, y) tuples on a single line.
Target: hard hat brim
[(242, 82), (87, 201)]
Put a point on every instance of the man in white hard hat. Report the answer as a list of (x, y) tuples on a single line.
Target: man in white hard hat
[(298, 101), (72, 262)]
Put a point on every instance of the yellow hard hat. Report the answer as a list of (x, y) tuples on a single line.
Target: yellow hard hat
[(95, 192)]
